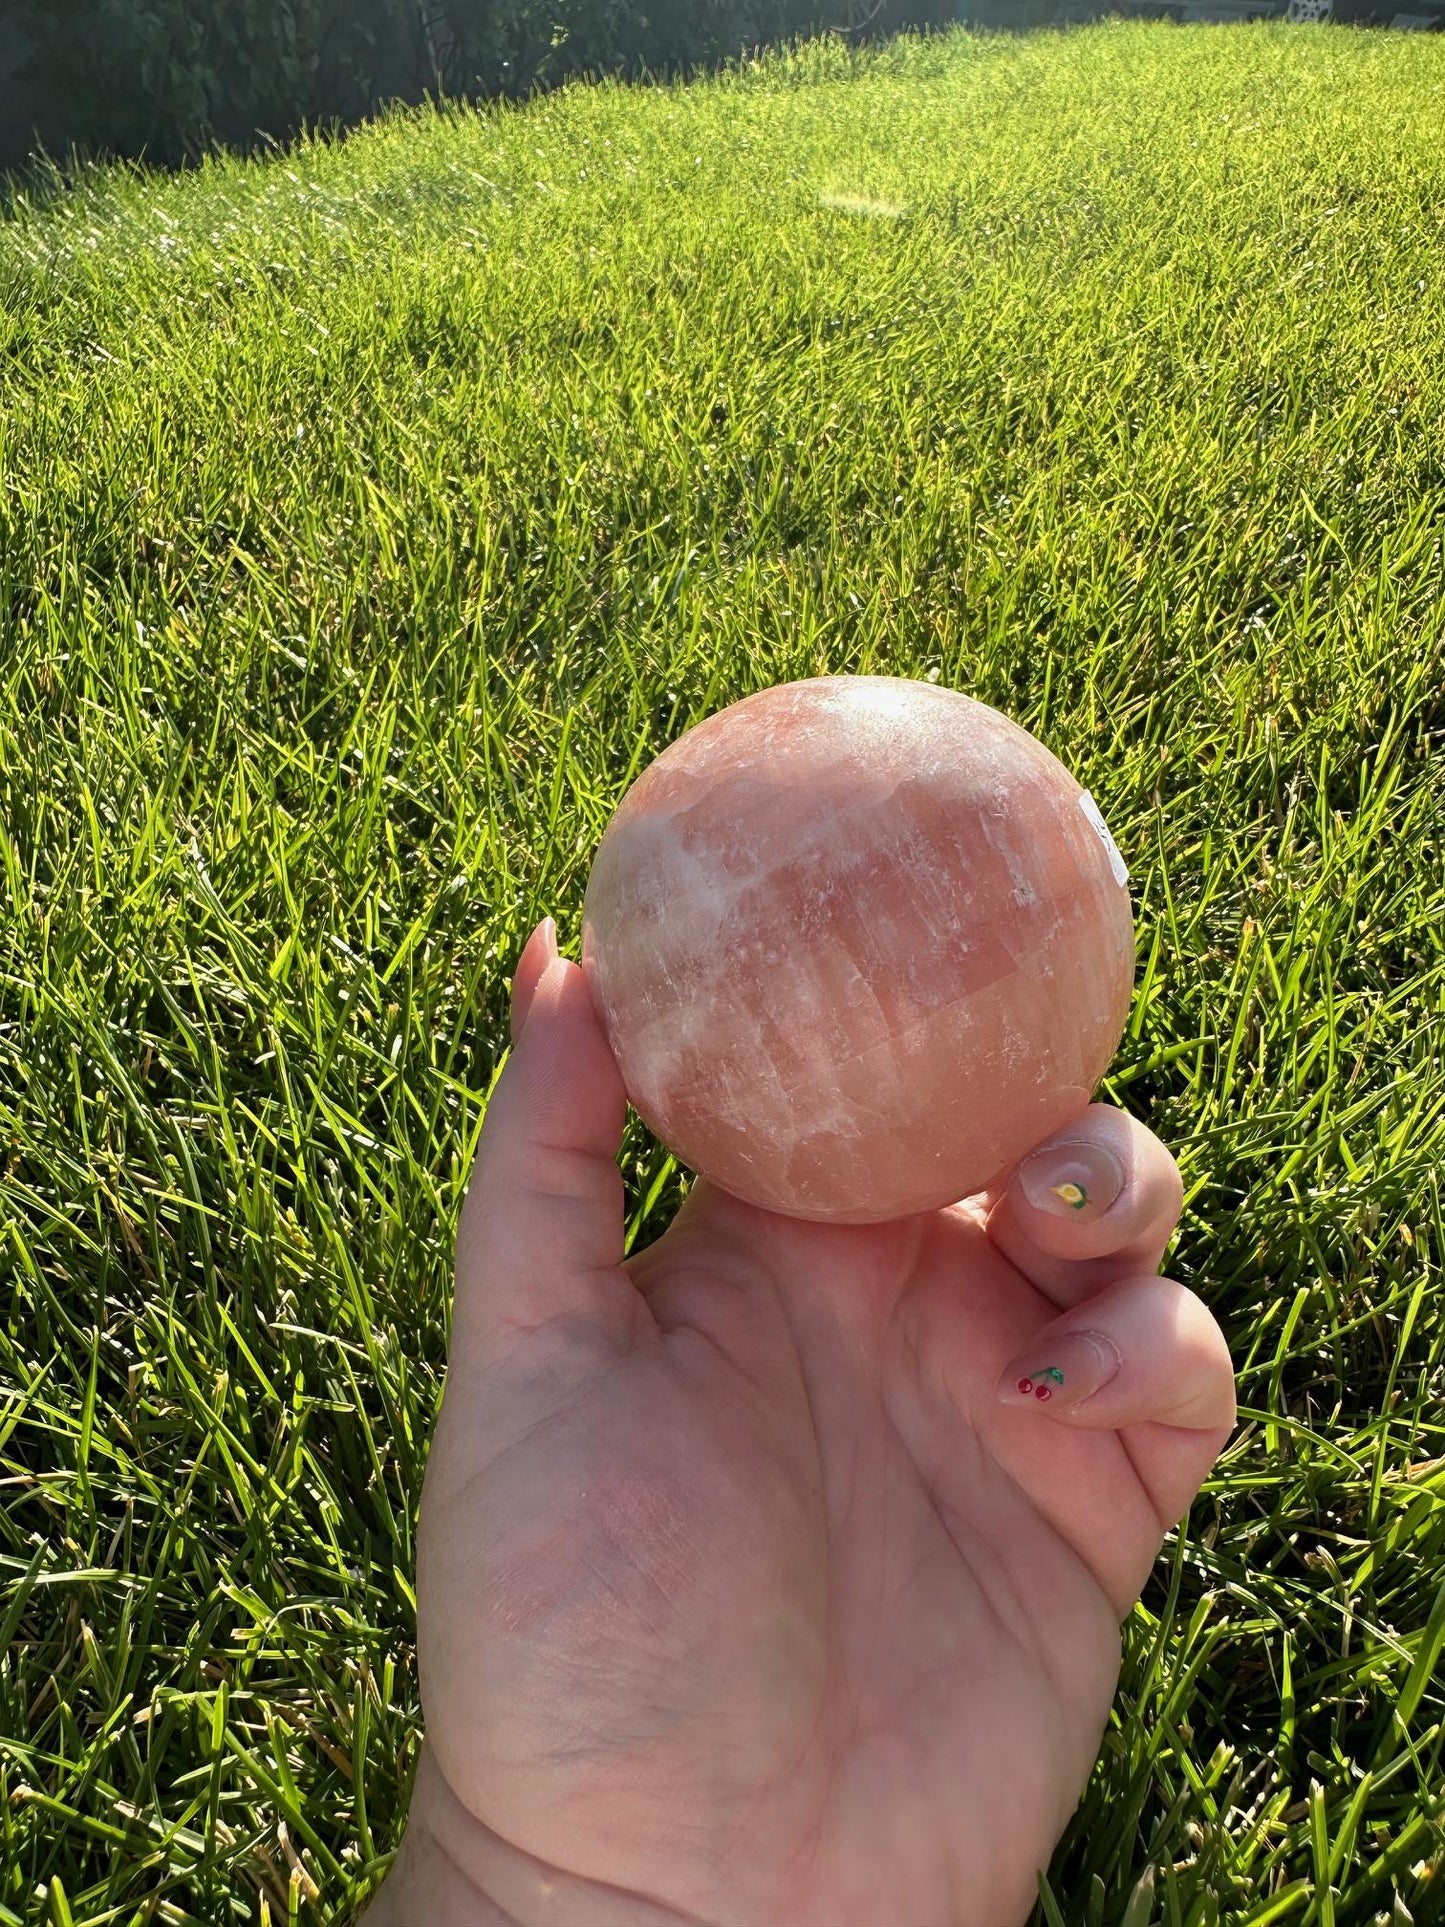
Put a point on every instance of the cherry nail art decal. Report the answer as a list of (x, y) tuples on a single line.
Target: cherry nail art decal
[(1040, 1385)]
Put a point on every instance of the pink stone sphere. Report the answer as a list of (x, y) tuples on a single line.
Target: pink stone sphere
[(858, 944)]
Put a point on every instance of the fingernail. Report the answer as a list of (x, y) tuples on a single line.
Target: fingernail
[(1079, 1180), (547, 931), (1062, 1372)]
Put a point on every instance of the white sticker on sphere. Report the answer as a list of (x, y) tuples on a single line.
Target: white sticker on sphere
[(1116, 862)]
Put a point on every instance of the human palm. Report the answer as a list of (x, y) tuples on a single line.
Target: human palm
[(753, 1589)]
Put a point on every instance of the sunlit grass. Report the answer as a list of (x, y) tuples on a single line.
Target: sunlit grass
[(369, 516)]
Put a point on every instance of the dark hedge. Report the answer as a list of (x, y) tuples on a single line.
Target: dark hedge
[(168, 79)]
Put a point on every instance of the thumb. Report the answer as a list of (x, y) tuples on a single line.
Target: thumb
[(542, 1231)]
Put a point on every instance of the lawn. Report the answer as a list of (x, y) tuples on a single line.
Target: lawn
[(370, 513)]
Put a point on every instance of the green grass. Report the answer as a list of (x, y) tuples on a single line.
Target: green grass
[(369, 516)]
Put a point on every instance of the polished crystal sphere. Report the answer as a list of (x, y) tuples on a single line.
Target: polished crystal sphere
[(858, 944)]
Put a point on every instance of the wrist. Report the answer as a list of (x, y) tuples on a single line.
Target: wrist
[(454, 1872)]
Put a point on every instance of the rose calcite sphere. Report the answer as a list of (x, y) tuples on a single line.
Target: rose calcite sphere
[(858, 944)]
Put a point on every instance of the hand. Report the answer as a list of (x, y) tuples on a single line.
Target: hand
[(752, 1589)]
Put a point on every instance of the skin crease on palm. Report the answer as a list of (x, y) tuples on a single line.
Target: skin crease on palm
[(752, 1589)]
